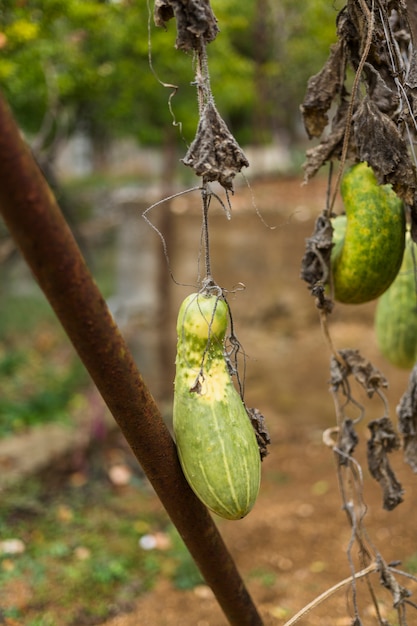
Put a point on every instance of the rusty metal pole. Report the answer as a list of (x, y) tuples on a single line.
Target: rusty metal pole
[(46, 242)]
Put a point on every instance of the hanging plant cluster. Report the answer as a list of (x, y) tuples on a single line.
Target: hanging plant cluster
[(362, 108), (373, 121), (220, 441), (358, 256), (214, 154)]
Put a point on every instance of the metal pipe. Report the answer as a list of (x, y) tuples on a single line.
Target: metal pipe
[(46, 242)]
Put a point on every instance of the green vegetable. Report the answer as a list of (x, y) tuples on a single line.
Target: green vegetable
[(396, 314), (367, 259), (215, 439)]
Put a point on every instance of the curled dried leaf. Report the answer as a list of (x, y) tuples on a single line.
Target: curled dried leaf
[(163, 12), (354, 364), (383, 441), (261, 431), (388, 580), (347, 441), (330, 147), (407, 420), (378, 124), (385, 98), (380, 144), (322, 89), (315, 264), (215, 154), (196, 22), (411, 80)]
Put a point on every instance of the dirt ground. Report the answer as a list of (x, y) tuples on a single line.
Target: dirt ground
[(293, 545)]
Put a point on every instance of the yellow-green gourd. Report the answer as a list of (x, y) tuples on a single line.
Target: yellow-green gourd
[(396, 314), (215, 439), (369, 240)]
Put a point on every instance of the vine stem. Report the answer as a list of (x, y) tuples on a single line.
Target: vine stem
[(205, 196), (324, 322), (329, 592)]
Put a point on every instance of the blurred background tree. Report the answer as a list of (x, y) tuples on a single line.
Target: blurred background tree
[(71, 65)]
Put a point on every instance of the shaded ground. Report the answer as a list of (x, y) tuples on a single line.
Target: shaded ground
[(292, 546)]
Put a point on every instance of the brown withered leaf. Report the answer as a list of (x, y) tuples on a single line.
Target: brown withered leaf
[(347, 441), (380, 144), (379, 91), (411, 80), (407, 420), (163, 12), (388, 580), (383, 441), (196, 22), (214, 153), (354, 364), (315, 264), (328, 148), (383, 100), (261, 431), (322, 89)]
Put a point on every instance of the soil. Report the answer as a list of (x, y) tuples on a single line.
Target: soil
[(293, 545)]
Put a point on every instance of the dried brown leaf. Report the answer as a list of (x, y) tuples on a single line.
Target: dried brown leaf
[(411, 80), (388, 580), (163, 12), (383, 441), (380, 144), (328, 148), (322, 89), (347, 441), (215, 154), (382, 116), (353, 363), (407, 420), (385, 98), (261, 431), (315, 264), (196, 22)]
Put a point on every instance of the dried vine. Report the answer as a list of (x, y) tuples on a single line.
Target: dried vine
[(374, 120)]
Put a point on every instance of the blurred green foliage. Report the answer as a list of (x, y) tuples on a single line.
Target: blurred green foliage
[(41, 378), (82, 557), (84, 64)]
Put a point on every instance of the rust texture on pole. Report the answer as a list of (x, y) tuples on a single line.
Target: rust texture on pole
[(46, 242)]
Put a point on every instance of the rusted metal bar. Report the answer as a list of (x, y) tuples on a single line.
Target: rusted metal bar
[(46, 242)]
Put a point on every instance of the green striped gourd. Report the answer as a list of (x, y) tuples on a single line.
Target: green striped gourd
[(396, 314), (215, 439), (368, 257)]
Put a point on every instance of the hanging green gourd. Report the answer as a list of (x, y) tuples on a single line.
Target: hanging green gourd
[(369, 240), (396, 314), (216, 442)]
